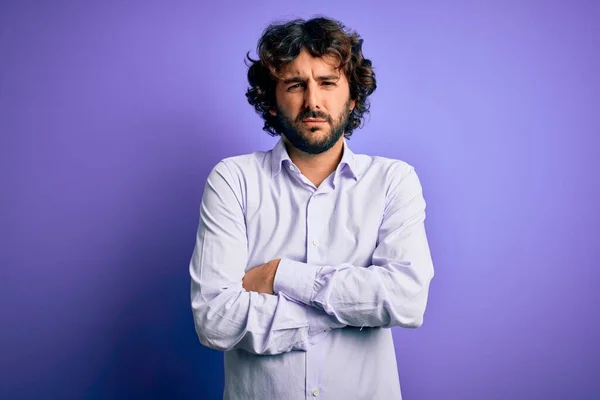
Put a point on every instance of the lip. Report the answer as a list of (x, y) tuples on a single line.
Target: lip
[(313, 121)]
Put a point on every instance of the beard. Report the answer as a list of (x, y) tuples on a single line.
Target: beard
[(304, 138)]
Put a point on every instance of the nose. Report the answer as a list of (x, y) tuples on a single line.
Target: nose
[(311, 96)]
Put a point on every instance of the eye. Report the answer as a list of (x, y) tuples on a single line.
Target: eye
[(328, 83), (296, 86)]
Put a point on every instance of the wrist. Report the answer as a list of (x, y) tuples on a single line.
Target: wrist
[(275, 264)]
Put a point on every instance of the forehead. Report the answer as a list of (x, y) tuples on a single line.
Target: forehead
[(306, 64)]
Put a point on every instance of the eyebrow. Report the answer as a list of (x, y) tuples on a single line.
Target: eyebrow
[(297, 79)]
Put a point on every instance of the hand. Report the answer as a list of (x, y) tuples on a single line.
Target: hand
[(261, 278)]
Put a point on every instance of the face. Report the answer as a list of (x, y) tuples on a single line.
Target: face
[(313, 102)]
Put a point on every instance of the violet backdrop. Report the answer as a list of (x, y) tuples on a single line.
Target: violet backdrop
[(113, 113)]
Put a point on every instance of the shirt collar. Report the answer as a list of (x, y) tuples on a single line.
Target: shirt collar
[(279, 156)]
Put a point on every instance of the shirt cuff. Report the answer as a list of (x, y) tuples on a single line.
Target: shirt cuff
[(296, 279)]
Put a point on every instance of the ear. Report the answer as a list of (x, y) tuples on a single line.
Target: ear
[(272, 111), (352, 105)]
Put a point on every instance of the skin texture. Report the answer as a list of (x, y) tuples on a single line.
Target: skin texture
[(310, 87)]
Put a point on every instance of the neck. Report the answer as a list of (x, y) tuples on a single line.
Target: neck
[(319, 165)]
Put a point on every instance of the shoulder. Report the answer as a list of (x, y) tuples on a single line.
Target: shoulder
[(397, 181), (390, 170), (239, 173), (240, 167)]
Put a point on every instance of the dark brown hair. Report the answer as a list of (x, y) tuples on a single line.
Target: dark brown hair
[(281, 44)]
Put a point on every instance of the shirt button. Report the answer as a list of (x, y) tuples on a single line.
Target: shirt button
[(315, 392), (315, 242), (292, 167)]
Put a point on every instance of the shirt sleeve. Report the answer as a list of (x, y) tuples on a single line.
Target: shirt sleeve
[(226, 316), (393, 291)]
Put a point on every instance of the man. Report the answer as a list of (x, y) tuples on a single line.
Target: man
[(308, 253)]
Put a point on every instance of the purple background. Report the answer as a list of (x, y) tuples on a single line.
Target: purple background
[(112, 115)]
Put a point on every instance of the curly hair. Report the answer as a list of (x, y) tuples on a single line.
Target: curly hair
[(320, 36)]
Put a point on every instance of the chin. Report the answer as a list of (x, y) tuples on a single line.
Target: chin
[(316, 138), (316, 131)]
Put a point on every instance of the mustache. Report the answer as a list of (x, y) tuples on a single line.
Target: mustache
[(313, 114)]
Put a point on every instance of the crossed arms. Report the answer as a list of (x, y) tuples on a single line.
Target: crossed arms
[(306, 299)]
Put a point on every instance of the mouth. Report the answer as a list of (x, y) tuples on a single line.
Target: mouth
[(313, 121)]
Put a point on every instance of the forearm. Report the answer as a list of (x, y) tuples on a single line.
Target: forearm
[(356, 296), (393, 291), (256, 322)]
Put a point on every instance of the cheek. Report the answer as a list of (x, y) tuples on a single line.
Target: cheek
[(290, 109)]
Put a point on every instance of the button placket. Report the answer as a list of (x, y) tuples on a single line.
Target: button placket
[(315, 225), (315, 222)]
